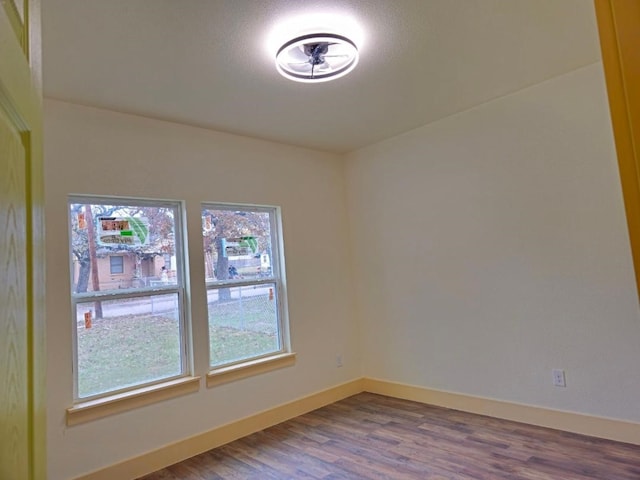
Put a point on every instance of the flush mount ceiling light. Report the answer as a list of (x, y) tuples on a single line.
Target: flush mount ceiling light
[(317, 57)]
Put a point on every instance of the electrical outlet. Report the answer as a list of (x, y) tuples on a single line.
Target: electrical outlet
[(558, 377), (338, 360)]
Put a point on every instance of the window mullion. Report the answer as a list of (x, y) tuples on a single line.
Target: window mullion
[(235, 283), (128, 293)]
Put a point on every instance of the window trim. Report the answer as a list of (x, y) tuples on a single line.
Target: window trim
[(179, 288), (249, 368), (259, 363), (89, 410)]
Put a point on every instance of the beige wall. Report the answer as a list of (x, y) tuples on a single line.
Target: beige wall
[(90, 151), (492, 247), (488, 248)]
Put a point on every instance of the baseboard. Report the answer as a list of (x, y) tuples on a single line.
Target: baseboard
[(176, 452), (602, 427)]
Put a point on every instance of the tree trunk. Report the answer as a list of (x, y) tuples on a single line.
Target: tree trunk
[(93, 259), (83, 275), (222, 270)]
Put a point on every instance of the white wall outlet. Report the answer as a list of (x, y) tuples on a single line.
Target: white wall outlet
[(338, 360), (558, 377)]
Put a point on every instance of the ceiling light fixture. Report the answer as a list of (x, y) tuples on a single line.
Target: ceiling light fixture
[(317, 57)]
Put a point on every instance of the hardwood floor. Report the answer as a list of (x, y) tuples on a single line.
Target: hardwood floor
[(370, 436)]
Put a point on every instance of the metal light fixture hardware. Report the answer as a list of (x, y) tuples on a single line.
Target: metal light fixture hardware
[(317, 57)]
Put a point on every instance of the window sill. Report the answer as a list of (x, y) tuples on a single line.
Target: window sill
[(121, 402), (249, 369)]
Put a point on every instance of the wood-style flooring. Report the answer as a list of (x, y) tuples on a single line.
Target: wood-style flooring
[(370, 436)]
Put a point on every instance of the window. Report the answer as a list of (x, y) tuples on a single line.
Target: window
[(129, 331), (116, 264), (245, 288)]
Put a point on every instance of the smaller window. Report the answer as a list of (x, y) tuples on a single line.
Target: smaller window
[(116, 263), (245, 285)]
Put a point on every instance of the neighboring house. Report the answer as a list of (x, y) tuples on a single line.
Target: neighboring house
[(125, 270)]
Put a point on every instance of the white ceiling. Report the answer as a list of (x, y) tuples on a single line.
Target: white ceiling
[(205, 62)]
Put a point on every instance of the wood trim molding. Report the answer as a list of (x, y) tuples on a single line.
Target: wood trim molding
[(249, 369), (18, 24), (619, 29), (602, 427), (121, 402), (181, 450), (612, 429)]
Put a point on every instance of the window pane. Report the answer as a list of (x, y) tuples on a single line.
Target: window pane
[(141, 237), (243, 323), (136, 341), (117, 264), (237, 244)]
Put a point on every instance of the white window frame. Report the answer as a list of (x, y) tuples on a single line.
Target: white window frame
[(179, 288), (277, 278)]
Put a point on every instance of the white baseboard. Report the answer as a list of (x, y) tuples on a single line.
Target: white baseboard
[(183, 449), (602, 427), (612, 429)]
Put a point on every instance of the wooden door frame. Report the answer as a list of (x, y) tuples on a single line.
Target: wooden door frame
[(21, 101), (619, 29)]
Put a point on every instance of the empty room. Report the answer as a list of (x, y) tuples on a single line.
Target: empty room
[(324, 239)]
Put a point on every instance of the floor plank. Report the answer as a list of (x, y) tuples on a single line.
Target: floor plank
[(370, 436)]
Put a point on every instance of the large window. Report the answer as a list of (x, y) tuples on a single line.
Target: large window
[(245, 288), (129, 329)]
